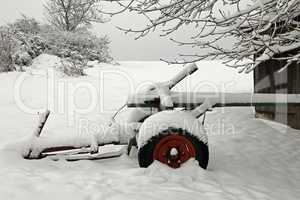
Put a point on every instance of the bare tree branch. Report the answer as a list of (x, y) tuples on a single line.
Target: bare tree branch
[(68, 15), (261, 29)]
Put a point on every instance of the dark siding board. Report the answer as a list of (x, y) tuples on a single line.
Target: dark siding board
[(288, 81)]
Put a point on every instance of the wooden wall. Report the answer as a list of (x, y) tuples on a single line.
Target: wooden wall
[(268, 79)]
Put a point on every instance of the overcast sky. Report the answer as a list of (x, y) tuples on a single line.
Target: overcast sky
[(124, 47)]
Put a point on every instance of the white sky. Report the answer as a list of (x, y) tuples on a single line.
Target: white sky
[(124, 47)]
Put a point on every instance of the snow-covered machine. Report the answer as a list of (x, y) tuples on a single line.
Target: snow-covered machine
[(163, 125)]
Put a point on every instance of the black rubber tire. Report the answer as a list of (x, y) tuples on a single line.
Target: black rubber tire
[(145, 154)]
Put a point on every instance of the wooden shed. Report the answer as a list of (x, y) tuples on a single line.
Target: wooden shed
[(272, 77)]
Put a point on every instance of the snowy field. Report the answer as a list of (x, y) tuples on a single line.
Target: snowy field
[(249, 158)]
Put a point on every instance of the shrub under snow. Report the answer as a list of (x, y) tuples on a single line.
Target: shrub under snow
[(72, 67), (80, 45), (7, 49), (29, 44), (26, 39)]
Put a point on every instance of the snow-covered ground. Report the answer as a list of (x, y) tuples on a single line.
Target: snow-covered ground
[(249, 158)]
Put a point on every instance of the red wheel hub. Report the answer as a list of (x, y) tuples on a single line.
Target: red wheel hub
[(173, 150)]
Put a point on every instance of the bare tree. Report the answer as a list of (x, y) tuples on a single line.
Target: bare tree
[(68, 15), (260, 29)]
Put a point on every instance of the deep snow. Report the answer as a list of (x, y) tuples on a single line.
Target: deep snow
[(249, 158), (159, 122)]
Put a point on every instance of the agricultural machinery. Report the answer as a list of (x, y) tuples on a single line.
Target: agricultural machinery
[(164, 125)]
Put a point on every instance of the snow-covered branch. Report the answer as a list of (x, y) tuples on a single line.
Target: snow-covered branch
[(262, 29)]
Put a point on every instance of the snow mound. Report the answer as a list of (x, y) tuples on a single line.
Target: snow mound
[(92, 63), (46, 61), (46, 65), (189, 171), (161, 121)]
